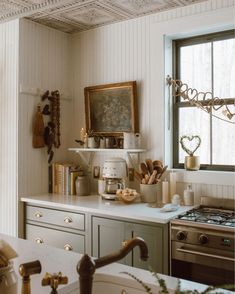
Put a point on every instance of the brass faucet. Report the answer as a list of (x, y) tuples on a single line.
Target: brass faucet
[(86, 267)]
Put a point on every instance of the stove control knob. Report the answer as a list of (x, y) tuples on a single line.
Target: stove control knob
[(181, 236), (203, 239)]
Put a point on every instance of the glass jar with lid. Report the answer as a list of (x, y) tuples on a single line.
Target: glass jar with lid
[(8, 279)]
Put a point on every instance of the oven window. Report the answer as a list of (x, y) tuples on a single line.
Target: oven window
[(202, 274), (207, 64)]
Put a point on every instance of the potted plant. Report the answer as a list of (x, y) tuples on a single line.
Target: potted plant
[(93, 139), (191, 162)]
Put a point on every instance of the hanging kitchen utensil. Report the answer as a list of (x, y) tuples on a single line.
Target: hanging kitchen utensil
[(38, 129)]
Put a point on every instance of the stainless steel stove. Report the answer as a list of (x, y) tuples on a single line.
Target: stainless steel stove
[(202, 243)]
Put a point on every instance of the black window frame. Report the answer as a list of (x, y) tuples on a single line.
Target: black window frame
[(177, 104)]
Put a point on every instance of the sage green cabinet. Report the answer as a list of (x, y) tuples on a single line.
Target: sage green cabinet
[(59, 228), (97, 235), (108, 235)]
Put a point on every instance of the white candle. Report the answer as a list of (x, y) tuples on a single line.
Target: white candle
[(165, 192), (172, 184)]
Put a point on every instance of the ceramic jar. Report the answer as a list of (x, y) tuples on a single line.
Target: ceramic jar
[(150, 193), (8, 279), (82, 186)]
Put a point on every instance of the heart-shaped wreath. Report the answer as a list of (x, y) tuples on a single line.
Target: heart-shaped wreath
[(183, 140)]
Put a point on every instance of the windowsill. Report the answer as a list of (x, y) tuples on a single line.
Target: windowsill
[(206, 177)]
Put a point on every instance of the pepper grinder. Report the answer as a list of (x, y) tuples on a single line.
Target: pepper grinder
[(188, 196)]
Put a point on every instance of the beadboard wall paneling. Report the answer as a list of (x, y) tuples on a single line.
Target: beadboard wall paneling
[(45, 65), (134, 50), (9, 34)]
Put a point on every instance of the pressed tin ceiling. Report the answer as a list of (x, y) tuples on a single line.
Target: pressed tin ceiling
[(72, 16)]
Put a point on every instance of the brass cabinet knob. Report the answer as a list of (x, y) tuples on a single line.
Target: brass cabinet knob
[(39, 240), (68, 247), (68, 220), (38, 214)]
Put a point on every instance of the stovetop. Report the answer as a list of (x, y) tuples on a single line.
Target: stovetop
[(210, 215)]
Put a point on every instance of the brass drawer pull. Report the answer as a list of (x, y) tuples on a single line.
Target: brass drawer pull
[(68, 220), (38, 214), (39, 241), (68, 247)]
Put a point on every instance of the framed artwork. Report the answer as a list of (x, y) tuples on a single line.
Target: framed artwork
[(111, 109)]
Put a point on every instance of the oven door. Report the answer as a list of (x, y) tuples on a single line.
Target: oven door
[(202, 264)]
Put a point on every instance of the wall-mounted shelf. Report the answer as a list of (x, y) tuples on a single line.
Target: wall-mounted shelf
[(92, 151)]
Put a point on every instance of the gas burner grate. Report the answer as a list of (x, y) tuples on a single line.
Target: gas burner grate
[(210, 216)]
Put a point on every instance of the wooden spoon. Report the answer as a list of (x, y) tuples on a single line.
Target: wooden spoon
[(144, 168), (163, 170), (149, 164), (152, 177), (157, 162), (138, 176), (158, 168)]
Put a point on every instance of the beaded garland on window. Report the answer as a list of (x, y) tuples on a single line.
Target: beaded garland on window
[(203, 100)]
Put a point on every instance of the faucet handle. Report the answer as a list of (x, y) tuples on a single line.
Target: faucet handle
[(54, 280)]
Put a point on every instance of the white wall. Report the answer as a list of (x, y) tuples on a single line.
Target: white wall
[(45, 65), (9, 34), (134, 50)]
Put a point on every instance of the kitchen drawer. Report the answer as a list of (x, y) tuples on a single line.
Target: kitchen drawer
[(56, 217), (56, 238)]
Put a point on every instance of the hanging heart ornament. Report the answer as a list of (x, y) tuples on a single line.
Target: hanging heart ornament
[(196, 140)]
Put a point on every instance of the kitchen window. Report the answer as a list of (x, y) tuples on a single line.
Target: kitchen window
[(206, 63)]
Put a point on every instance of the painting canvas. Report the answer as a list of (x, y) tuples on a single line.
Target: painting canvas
[(111, 109)]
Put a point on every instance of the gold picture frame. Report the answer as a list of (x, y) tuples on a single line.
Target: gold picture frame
[(111, 109)]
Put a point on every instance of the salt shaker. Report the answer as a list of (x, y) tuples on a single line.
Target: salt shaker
[(176, 199)]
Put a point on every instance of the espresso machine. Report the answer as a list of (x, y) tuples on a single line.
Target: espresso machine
[(114, 174)]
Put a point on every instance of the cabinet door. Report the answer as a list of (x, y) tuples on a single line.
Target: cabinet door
[(56, 238), (107, 237), (154, 238)]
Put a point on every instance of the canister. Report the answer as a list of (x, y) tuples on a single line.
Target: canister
[(8, 279), (82, 186)]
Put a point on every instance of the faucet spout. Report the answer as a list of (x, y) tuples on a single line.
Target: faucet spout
[(129, 245), (86, 267)]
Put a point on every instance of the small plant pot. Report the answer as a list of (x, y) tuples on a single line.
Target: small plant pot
[(92, 142), (192, 163)]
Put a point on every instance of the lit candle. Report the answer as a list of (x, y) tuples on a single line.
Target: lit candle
[(172, 184), (82, 134), (165, 192)]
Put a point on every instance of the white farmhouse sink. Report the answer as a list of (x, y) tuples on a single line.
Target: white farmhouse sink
[(123, 284), (104, 283)]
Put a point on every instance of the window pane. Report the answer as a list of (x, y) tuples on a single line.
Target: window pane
[(224, 68), (194, 121), (195, 66), (223, 137)]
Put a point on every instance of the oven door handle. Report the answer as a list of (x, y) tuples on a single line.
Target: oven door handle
[(204, 254)]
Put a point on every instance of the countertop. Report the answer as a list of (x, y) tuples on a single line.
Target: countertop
[(54, 260), (95, 204)]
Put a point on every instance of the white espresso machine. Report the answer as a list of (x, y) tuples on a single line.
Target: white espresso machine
[(115, 175)]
